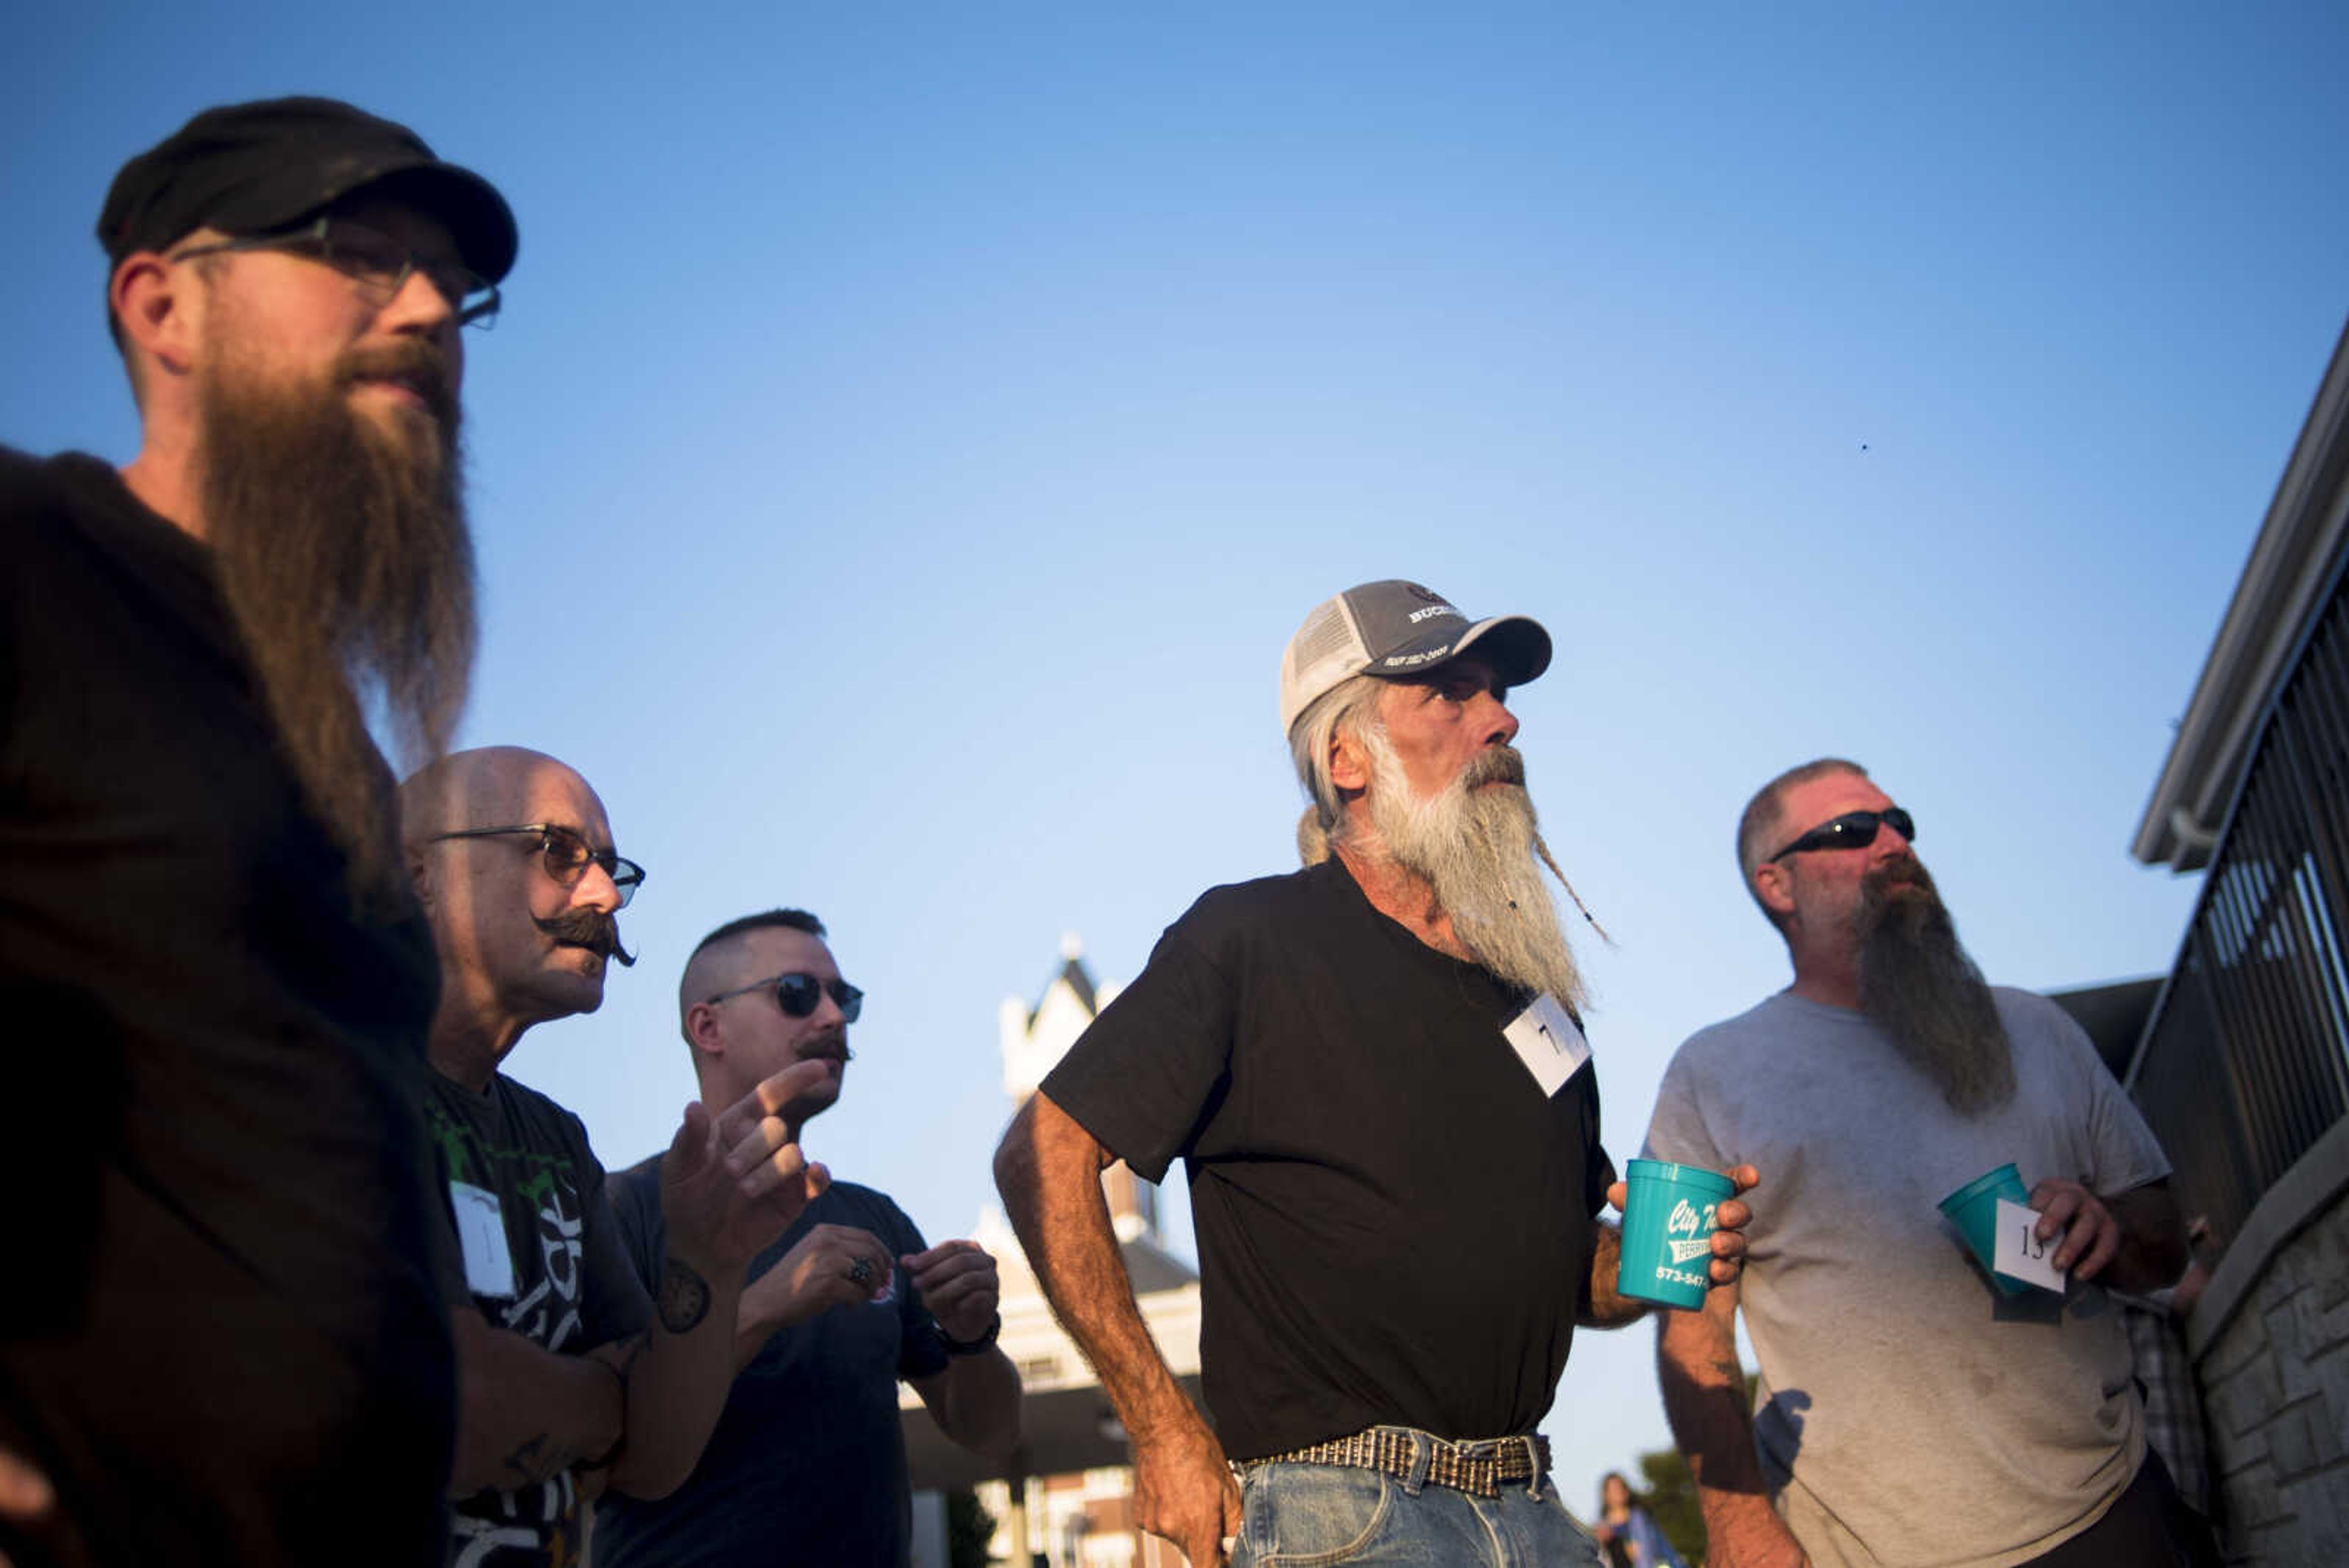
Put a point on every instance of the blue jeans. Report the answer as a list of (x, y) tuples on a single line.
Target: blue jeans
[(1293, 1515)]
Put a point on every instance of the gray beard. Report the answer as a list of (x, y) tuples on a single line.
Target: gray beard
[(1918, 985), (1475, 848), (343, 556)]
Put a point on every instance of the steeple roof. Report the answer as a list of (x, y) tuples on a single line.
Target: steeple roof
[(1074, 975)]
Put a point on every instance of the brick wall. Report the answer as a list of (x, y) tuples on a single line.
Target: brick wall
[(2272, 1357)]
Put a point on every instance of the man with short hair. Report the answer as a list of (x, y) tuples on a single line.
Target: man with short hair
[(1908, 1412), (573, 1374), (1375, 1072), (226, 1346), (808, 1463)]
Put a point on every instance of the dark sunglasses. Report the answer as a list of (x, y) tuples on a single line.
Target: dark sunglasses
[(567, 856), (1852, 830), (799, 995)]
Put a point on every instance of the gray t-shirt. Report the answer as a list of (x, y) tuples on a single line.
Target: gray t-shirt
[(1908, 1415)]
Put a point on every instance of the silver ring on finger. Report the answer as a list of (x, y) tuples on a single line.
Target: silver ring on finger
[(860, 1271)]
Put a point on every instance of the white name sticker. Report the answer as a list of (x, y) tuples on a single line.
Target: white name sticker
[(1548, 1042), (2017, 1251), (482, 1231)]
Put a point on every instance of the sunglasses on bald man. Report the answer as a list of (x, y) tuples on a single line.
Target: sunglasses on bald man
[(1852, 830), (799, 995)]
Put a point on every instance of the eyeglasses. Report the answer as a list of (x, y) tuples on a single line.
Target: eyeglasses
[(379, 264), (799, 993), (1852, 830), (567, 855)]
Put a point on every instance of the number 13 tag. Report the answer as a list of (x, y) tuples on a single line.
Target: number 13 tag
[(2019, 1254)]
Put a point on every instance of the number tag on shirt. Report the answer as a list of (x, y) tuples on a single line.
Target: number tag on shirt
[(481, 1230), (2019, 1253), (1548, 1042)]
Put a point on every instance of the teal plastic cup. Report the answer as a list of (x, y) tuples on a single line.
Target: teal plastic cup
[(1667, 1230), (1973, 1210)]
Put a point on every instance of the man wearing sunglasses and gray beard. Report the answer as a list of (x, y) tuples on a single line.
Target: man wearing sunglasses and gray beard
[(573, 1375), (807, 1467), (1909, 1411)]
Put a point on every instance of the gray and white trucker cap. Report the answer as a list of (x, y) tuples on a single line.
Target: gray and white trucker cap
[(1399, 628)]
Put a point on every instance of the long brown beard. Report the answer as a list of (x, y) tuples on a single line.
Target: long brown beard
[(1475, 848), (342, 551), (1920, 987)]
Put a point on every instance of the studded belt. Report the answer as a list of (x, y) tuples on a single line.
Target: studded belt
[(1480, 1468)]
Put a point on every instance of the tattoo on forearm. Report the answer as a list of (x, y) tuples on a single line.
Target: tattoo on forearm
[(684, 1298)]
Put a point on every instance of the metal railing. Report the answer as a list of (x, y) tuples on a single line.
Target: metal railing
[(2245, 1062)]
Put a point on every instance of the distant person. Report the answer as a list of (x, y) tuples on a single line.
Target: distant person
[(1906, 1413), (221, 1342), (807, 1466), (575, 1375), (1627, 1531), (1395, 1166)]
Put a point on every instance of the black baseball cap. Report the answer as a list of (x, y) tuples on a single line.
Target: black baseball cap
[(249, 168)]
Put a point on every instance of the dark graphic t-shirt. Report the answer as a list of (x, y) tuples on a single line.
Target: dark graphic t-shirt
[(540, 1257)]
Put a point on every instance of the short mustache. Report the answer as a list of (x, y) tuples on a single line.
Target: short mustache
[(415, 360), (836, 1038), (1902, 868), (593, 929), (1494, 764)]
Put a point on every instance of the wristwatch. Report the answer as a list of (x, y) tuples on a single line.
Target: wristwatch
[(973, 1346)]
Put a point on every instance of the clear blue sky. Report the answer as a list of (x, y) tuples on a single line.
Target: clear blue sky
[(914, 431)]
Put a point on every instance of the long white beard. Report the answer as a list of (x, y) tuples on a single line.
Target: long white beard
[(1476, 847)]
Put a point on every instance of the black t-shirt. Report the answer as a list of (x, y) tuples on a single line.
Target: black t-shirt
[(807, 1466), (561, 1278), (221, 1335), (1393, 1220)]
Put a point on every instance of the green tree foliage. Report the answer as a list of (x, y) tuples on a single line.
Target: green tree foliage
[(1671, 1502), (969, 1527)]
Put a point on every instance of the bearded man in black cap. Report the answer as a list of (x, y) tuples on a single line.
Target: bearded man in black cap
[(226, 1345), (1375, 1072)]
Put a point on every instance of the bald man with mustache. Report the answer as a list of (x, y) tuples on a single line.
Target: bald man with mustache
[(570, 1379)]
